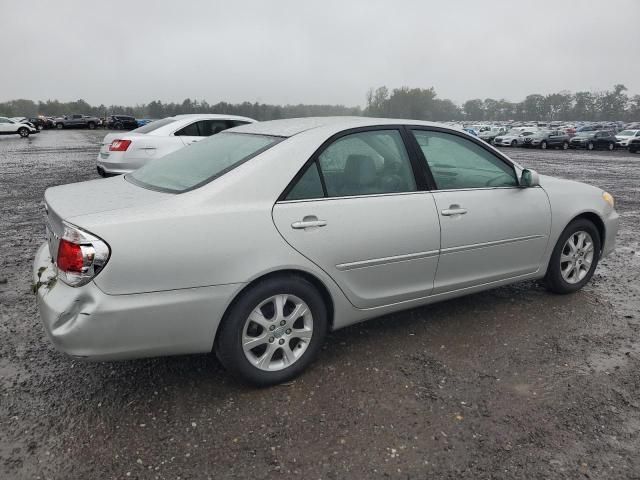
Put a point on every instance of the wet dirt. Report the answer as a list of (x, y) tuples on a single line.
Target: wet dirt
[(511, 383)]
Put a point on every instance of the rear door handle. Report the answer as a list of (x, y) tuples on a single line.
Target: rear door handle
[(309, 221), (453, 210)]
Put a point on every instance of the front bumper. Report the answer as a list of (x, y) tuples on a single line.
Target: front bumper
[(611, 225), (85, 322)]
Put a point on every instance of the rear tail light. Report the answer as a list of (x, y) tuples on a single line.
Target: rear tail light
[(119, 145), (81, 256)]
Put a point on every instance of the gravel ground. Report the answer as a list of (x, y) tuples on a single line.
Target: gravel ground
[(510, 383)]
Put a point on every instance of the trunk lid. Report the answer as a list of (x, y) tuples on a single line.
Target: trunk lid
[(66, 202)]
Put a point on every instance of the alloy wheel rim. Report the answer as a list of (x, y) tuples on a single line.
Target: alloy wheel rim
[(576, 257), (277, 332)]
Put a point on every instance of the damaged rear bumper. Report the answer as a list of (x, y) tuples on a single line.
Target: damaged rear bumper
[(85, 322)]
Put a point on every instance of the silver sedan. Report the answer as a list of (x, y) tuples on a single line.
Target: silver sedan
[(257, 241)]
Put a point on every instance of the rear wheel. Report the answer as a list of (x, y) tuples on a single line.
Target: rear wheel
[(59, 126), (23, 132), (117, 126), (574, 257), (91, 125), (590, 146), (514, 143), (565, 145), (611, 146), (543, 145), (273, 331)]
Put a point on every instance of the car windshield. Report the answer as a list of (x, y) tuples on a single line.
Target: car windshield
[(585, 134), (150, 127), (627, 133), (200, 163)]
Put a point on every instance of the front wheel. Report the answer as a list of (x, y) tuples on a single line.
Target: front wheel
[(590, 146), (59, 126), (543, 145), (565, 145), (574, 257), (514, 143), (273, 331), (611, 146), (91, 125), (23, 132)]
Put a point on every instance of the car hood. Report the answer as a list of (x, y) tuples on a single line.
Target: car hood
[(563, 185), (66, 202)]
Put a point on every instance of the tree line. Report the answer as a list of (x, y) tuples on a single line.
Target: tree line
[(612, 105), (404, 102)]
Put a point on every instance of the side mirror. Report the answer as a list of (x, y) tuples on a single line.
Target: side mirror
[(529, 178)]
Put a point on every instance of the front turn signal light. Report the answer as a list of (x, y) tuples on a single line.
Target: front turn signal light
[(608, 198)]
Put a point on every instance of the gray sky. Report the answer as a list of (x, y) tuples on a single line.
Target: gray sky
[(127, 52)]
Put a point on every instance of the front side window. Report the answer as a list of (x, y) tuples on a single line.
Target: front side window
[(367, 163), (189, 168), (456, 162)]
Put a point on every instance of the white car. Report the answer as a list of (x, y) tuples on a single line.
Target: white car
[(9, 126), (256, 241), (124, 152), (514, 137), (623, 138)]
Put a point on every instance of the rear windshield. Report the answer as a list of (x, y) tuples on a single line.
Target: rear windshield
[(201, 162), (150, 127)]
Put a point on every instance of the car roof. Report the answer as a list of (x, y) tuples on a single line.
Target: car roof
[(293, 126), (212, 116)]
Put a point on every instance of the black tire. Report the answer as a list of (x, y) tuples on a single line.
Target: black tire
[(543, 145), (590, 146), (118, 126), (228, 345), (59, 126), (91, 125), (611, 146), (23, 132), (514, 143), (632, 150), (565, 145), (39, 127), (553, 279)]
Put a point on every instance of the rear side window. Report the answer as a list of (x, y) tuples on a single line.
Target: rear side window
[(200, 163), (189, 131), (308, 186), (211, 127), (367, 163), (363, 163)]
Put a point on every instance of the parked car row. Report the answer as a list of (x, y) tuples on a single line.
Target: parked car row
[(545, 137)]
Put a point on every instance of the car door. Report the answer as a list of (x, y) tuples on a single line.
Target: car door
[(491, 229), (6, 126), (356, 211)]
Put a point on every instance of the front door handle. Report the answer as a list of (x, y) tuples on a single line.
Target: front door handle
[(453, 210), (309, 221)]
